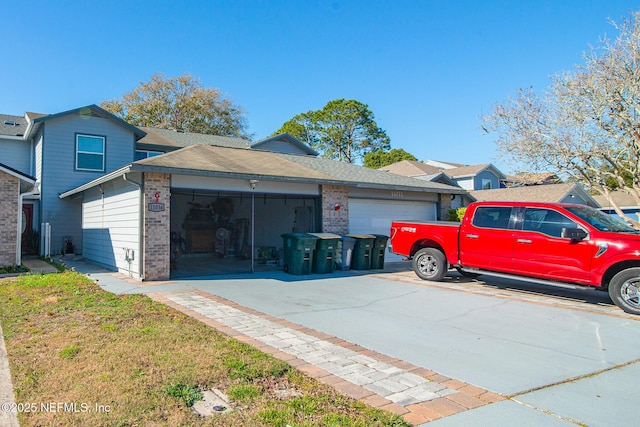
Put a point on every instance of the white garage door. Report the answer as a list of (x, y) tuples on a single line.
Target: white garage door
[(375, 216)]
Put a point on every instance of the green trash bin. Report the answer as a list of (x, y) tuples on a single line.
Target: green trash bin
[(298, 252), (325, 254), (377, 254), (361, 259)]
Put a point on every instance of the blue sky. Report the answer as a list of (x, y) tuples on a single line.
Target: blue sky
[(427, 69)]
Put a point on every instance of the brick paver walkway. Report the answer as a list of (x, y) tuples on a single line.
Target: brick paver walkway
[(417, 394)]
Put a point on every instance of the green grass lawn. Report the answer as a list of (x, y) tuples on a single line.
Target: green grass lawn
[(81, 356)]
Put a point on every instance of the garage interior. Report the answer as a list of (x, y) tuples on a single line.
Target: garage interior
[(221, 232)]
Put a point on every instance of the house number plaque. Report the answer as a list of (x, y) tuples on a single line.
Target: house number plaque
[(157, 206)]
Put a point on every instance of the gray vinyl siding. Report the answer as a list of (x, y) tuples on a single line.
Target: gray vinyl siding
[(282, 147), (495, 182), (58, 173), (111, 225), (16, 154)]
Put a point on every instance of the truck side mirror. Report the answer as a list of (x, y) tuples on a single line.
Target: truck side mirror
[(574, 233)]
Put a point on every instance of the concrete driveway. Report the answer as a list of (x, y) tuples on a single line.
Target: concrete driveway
[(554, 357)]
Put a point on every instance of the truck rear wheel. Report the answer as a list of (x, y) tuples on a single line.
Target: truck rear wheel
[(430, 264), (624, 290)]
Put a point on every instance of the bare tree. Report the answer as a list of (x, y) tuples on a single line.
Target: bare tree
[(586, 126)]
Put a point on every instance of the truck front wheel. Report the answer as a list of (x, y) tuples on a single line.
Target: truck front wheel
[(430, 264), (624, 290)]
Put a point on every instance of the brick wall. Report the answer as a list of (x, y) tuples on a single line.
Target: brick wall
[(335, 221), (445, 206), (9, 191), (156, 227)]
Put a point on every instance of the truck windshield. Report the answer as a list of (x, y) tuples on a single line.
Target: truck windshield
[(601, 220)]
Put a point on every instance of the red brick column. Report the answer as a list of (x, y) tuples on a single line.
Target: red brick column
[(335, 220), (156, 226)]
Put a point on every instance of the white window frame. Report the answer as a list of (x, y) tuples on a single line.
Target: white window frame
[(102, 153), (487, 184)]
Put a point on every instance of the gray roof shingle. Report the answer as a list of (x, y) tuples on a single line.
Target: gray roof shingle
[(411, 168), (553, 193), (354, 174), (235, 162), (12, 125), (179, 139)]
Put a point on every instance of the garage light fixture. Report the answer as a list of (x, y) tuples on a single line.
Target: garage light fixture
[(253, 183)]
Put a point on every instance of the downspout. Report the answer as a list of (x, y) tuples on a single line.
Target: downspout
[(140, 226), (34, 191)]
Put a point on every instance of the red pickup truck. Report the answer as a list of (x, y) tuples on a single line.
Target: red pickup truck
[(550, 242)]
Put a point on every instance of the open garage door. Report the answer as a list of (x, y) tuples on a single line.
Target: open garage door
[(222, 232), (368, 216)]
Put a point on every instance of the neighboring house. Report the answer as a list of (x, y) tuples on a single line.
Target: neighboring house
[(555, 193), (486, 183), (476, 177), (134, 199), (623, 200), (524, 179), (471, 177)]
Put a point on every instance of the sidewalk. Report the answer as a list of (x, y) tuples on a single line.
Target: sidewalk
[(38, 266), (7, 417)]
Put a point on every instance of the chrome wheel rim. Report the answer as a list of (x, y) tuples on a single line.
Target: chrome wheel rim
[(630, 292), (428, 265)]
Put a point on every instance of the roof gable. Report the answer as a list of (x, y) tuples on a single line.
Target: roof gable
[(554, 193), (411, 168), (89, 110), (473, 170), (279, 143)]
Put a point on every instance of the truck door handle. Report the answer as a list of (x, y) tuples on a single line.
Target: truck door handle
[(472, 236), (524, 241)]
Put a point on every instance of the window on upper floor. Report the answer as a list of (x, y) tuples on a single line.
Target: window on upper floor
[(90, 152), (143, 154), (486, 184)]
